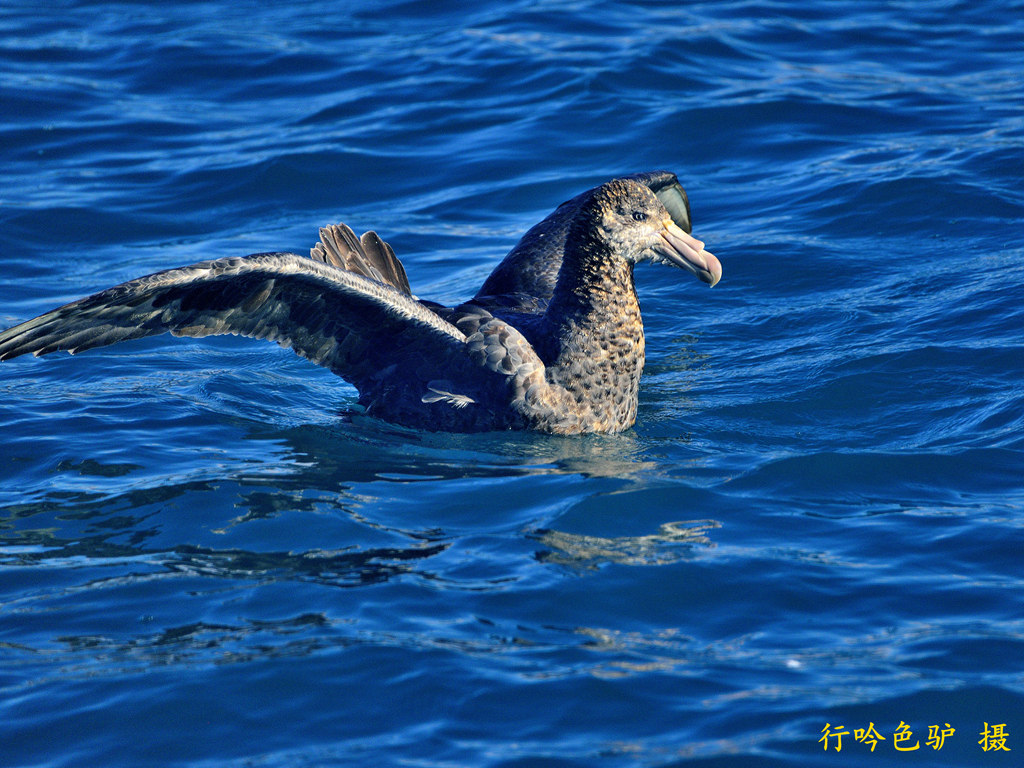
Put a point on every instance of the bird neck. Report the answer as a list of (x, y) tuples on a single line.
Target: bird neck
[(593, 292), (594, 318)]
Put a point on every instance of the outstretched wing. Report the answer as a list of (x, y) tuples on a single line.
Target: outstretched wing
[(308, 306)]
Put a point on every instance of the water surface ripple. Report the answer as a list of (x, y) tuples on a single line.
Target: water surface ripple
[(207, 560)]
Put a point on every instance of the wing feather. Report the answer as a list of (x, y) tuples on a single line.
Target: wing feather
[(367, 255), (300, 303)]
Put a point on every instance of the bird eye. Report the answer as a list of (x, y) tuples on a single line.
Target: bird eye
[(639, 216)]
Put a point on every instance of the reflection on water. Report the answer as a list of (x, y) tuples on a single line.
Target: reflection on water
[(672, 542), (334, 568), (349, 504), (368, 449)]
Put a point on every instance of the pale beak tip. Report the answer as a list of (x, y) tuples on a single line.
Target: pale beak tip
[(713, 271)]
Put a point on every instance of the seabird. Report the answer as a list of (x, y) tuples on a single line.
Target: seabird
[(553, 341)]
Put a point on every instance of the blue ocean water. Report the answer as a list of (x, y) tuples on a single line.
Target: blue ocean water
[(814, 529)]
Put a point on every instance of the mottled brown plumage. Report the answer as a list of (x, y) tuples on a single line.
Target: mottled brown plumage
[(563, 357), (526, 277)]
